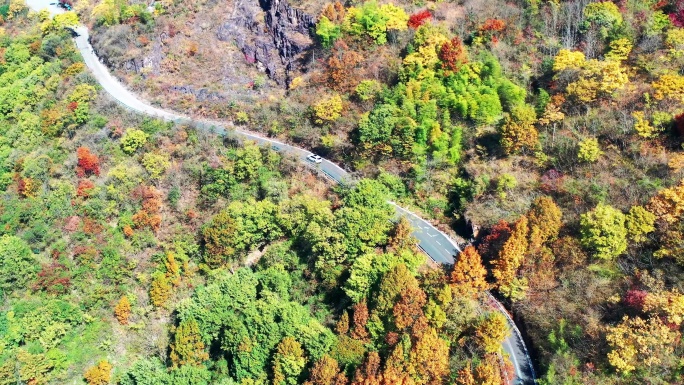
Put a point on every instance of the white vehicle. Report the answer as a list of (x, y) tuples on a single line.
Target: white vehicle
[(314, 158)]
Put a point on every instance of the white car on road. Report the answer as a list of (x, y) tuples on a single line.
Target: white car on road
[(314, 158)]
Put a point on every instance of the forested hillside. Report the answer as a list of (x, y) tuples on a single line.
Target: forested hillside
[(547, 136), (140, 252)]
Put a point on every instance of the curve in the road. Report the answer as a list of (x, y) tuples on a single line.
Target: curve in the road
[(436, 244)]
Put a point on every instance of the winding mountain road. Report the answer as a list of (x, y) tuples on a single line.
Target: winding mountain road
[(437, 245)]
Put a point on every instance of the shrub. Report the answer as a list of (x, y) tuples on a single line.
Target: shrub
[(241, 117), (368, 89), (505, 183)]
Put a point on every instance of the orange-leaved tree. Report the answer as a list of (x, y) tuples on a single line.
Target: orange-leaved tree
[(511, 257), (326, 371), (122, 310), (469, 275)]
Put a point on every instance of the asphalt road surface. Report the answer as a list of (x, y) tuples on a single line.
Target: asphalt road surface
[(433, 242)]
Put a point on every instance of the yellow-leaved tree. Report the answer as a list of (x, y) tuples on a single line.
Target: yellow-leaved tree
[(518, 134), (589, 80), (638, 343), (99, 374), (669, 86), (668, 305), (668, 205), (328, 110)]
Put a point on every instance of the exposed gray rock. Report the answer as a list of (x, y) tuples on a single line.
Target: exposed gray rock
[(276, 42), (200, 95)]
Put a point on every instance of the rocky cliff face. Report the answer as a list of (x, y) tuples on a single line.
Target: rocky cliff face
[(274, 43)]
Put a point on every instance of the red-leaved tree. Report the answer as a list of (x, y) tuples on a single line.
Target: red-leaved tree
[(677, 16), (493, 25), (635, 299), (419, 18), (88, 163), (453, 54), (54, 278), (679, 124)]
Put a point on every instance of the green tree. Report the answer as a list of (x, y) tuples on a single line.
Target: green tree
[(17, 263), (392, 283), (368, 89), (298, 212), (238, 228), (603, 231), (146, 371), (377, 126), (327, 32), (606, 15), (248, 162), (364, 220)]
